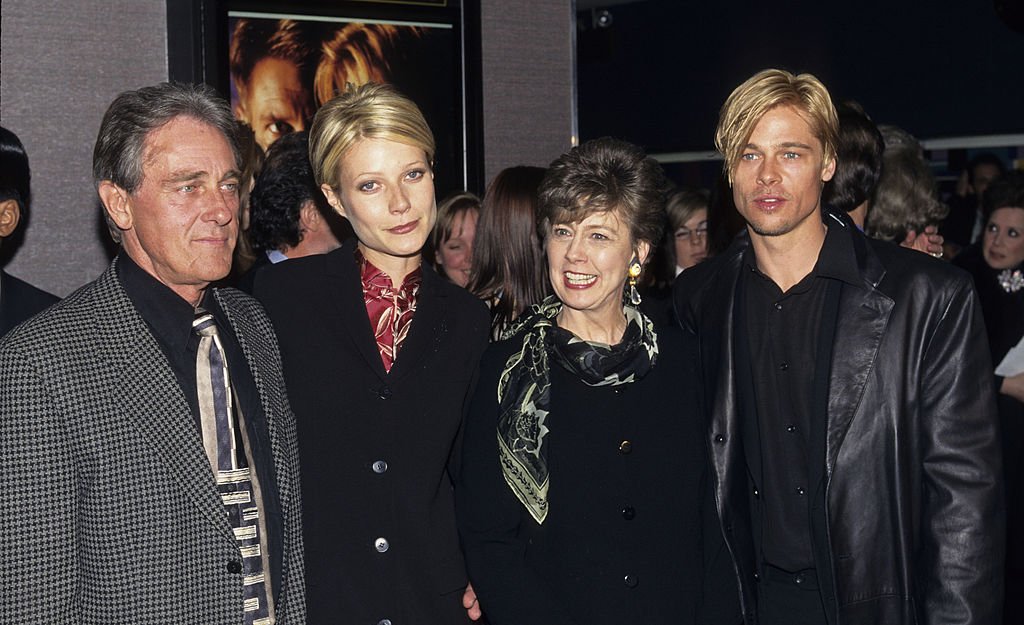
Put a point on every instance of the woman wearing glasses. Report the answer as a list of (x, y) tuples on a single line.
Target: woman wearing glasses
[(688, 222), (684, 245)]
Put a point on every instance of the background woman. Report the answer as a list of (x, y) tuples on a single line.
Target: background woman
[(684, 244), (378, 352), (508, 266), (688, 228), (451, 242), (997, 266), (584, 492)]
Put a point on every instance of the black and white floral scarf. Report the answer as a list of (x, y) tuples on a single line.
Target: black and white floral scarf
[(524, 389)]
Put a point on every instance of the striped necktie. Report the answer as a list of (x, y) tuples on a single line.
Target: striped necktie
[(226, 447)]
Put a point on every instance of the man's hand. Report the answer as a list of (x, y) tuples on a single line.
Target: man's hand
[(471, 604), (929, 241), (1013, 386)]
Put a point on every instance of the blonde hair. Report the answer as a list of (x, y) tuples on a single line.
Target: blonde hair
[(763, 91), (371, 111), (356, 54)]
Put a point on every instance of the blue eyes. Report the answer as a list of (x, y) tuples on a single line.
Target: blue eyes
[(372, 185), (751, 156), (224, 186)]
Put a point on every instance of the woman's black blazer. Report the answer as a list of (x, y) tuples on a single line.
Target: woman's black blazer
[(377, 450)]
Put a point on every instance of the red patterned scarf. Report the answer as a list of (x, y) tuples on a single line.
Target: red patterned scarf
[(390, 311)]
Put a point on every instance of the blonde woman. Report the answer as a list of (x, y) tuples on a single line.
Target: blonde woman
[(379, 353)]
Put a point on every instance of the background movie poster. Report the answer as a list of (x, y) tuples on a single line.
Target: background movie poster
[(284, 67)]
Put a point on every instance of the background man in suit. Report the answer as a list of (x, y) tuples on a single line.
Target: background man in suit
[(19, 300), (141, 482), (855, 448)]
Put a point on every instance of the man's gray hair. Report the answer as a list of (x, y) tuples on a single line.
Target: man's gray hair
[(120, 145)]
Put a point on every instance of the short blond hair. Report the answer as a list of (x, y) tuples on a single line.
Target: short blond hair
[(763, 91), (370, 111)]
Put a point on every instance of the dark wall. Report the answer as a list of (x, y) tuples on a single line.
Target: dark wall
[(659, 73)]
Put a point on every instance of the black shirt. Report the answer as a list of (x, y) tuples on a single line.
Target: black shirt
[(784, 336), (170, 318)]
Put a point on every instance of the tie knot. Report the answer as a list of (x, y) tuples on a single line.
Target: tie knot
[(204, 324)]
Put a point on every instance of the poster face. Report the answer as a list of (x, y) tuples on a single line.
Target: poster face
[(283, 67)]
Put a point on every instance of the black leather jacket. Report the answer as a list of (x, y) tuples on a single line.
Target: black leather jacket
[(914, 519)]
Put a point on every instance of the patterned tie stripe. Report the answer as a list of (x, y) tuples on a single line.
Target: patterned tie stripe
[(220, 418), (218, 388)]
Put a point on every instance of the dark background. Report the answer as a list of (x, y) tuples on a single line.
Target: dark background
[(658, 73)]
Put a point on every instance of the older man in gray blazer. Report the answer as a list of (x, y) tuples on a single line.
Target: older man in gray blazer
[(148, 464)]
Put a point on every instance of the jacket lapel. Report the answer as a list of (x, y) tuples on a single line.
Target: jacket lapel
[(347, 294), (428, 327), (725, 432), (863, 317), (717, 354), (717, 346), (149, 398)]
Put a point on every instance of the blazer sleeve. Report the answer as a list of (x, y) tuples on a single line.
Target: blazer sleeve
[(292, 596), (490, 518), (960, 566), (38, 564)]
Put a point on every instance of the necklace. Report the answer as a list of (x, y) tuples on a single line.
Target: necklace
[(1012, 280)]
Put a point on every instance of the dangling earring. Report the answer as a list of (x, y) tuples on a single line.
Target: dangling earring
[(634, 273)]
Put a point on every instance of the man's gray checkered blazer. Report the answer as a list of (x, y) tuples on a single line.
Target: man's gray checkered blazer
[(108, 510)]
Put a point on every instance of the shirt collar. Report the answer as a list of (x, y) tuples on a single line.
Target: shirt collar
[(276, 256), (371, 276), (836, 259), (167, 313)]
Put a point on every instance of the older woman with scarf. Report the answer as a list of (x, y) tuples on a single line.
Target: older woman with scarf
[(584, 495)]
